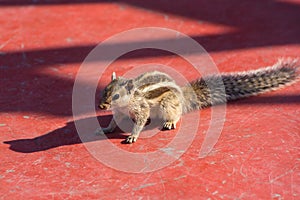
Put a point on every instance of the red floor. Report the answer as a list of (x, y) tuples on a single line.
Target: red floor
[(42, 46)]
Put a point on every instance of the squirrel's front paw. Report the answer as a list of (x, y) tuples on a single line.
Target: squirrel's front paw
[(102, 131), (99, 131), (131, 139)]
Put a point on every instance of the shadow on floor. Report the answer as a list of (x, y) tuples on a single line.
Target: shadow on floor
[(66, 135)]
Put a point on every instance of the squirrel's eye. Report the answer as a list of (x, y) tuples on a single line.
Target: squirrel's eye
[(115, 97)]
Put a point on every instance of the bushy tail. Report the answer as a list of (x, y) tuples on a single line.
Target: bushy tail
[(218, 89)]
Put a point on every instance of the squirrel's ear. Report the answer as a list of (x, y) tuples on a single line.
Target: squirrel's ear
[(113, 76), (129, 86)]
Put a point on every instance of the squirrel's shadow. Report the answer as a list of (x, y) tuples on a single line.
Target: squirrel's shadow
[(66, 135)]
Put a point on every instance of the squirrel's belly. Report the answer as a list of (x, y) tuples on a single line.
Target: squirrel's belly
[(155, 112)]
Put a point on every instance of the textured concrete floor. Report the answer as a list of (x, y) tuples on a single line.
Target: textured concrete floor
[(42, 45)]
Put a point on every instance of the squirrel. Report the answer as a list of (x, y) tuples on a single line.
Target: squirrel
[(156, 93)]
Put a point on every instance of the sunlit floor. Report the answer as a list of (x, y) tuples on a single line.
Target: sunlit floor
[(43, 156)]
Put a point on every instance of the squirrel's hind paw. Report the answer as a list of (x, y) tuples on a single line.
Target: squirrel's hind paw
[(169, 125)]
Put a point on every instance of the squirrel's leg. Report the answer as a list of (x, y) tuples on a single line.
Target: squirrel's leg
[(141, 113), (112, 125), (171, 110)]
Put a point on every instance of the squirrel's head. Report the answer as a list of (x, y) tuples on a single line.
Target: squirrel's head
[(106, 97), (116, 92)]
